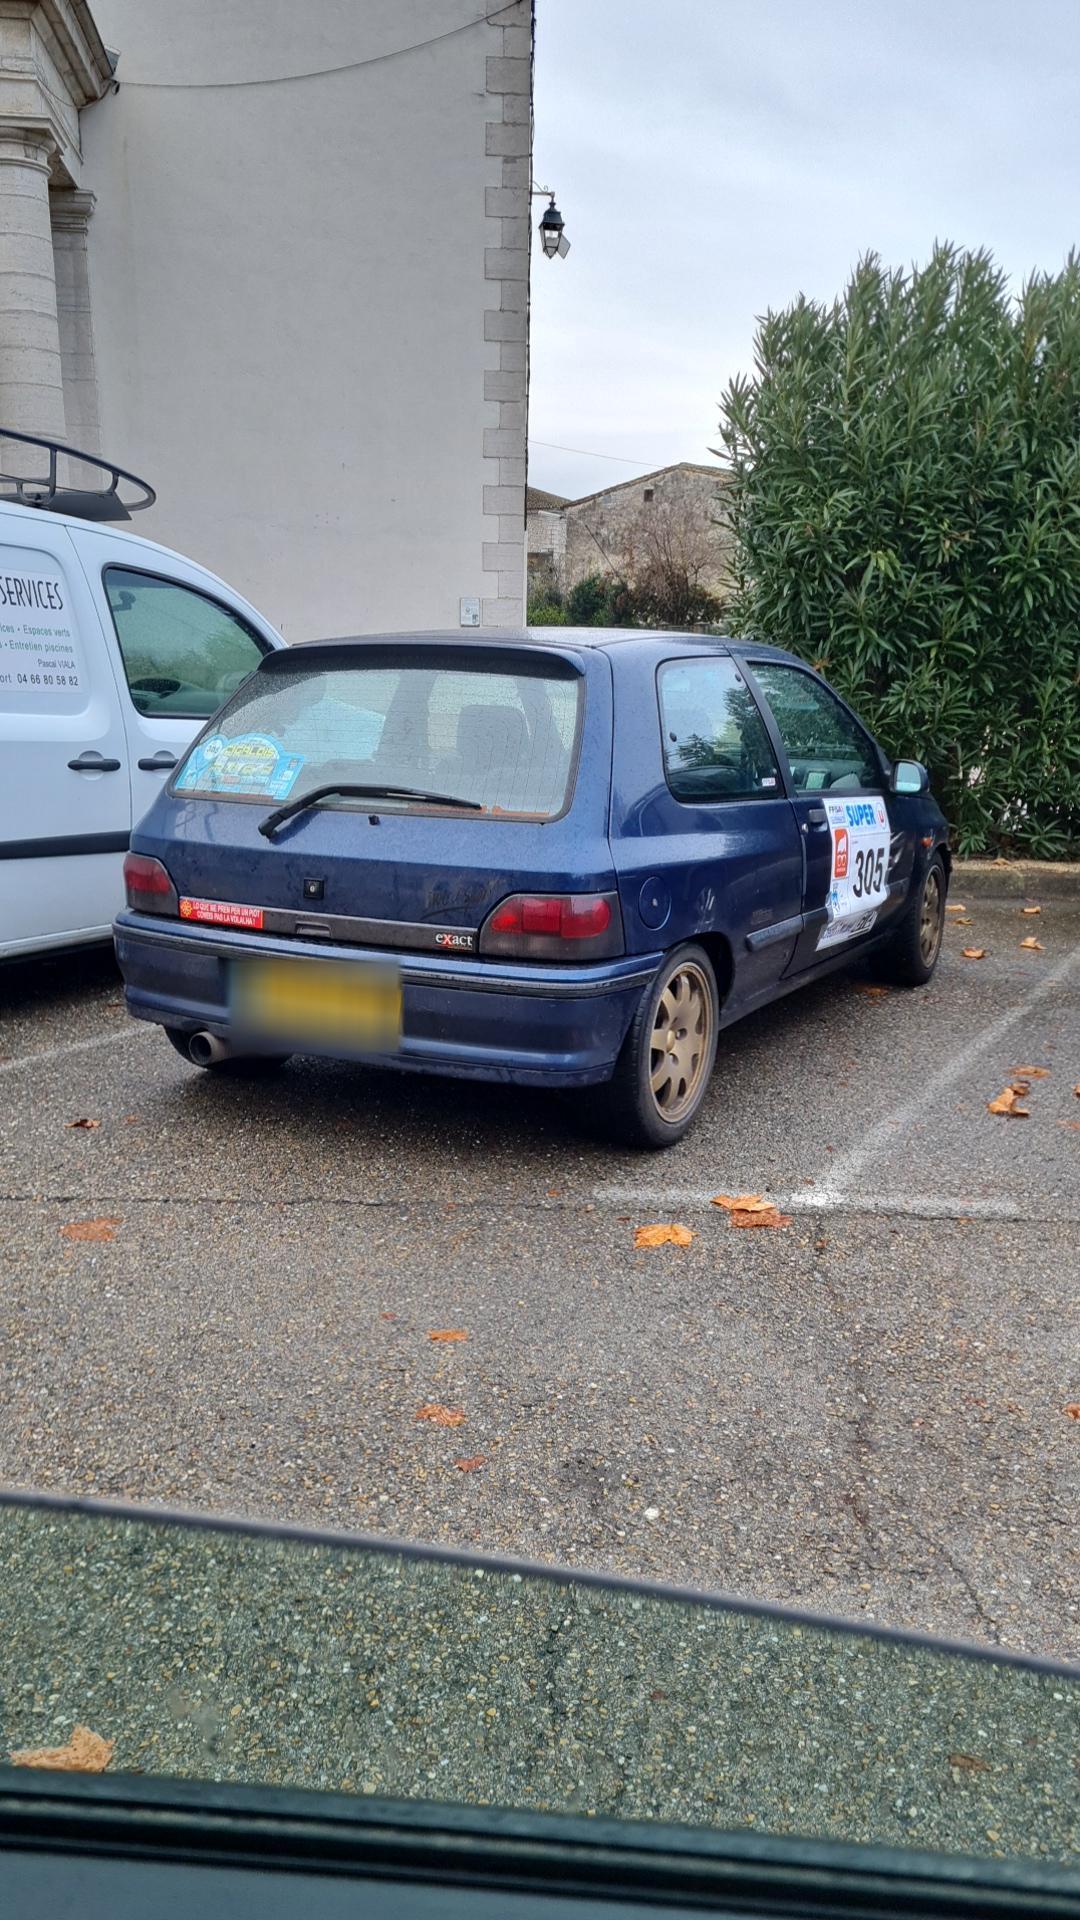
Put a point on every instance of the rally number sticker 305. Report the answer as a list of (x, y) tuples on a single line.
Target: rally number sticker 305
[(858, 885)]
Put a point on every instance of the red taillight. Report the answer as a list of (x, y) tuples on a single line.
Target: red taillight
[(545, 926), (149, 886)]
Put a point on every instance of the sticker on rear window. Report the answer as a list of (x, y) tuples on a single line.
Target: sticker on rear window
[(251, 764)]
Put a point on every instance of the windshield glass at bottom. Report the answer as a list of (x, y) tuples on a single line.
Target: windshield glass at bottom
[(502, 740), (209, 1651)]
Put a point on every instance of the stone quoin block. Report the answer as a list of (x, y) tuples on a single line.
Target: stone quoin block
[(500, 500), (506, 444), (501, 386), (504, 326), (502, 556), (504, 612), (507, 76), (506, 263), (513, 141)]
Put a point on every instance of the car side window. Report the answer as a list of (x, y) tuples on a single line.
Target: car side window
[(183, 652), (827, 749), (716, 746)]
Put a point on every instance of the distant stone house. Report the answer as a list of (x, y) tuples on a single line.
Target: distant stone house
[(616, 531), (545, 536)]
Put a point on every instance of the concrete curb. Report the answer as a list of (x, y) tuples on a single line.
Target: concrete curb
[(1033, 880)]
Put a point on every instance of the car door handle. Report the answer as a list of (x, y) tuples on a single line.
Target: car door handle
[(93, 762), (817, 817), (160, 762)]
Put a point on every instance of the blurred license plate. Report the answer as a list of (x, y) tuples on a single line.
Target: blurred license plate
[(322, 1004)]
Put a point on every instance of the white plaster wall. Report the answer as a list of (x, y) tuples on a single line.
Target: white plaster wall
[(289, 296)]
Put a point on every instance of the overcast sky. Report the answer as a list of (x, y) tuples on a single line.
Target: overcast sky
[(713, 158)]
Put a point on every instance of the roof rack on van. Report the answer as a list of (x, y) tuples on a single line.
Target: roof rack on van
[(85, 503)]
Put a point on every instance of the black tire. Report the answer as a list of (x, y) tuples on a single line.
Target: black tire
[(642, 1109), (909, 958), (238, 1066)]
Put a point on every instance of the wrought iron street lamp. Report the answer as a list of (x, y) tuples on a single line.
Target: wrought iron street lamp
[(552, 237)]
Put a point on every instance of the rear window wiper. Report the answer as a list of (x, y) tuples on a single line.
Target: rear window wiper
[(273, 821)]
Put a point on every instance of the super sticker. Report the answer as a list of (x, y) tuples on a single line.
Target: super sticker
[(859, 885)]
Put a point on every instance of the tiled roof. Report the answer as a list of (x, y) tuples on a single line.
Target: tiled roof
[(537, 501)]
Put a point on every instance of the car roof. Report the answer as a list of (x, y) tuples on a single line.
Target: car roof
[(552, 639)]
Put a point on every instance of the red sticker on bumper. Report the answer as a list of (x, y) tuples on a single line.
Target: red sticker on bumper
[(221, 913)]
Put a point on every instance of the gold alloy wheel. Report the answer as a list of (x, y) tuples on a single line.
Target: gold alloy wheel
[(681, 1040), (930, 918)]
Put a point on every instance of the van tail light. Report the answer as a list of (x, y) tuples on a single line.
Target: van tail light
[(554, 926), (149, 886)]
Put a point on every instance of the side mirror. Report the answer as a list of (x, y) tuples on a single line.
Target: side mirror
[(909, 776)]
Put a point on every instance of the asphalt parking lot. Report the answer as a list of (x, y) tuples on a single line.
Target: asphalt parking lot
[(863, 1412)]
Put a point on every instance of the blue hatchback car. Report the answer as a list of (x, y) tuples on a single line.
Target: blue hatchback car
[(561, 858)]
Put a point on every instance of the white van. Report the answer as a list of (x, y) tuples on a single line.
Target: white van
[(113, 653)]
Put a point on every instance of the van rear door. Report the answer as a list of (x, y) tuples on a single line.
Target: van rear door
[(65, 797)]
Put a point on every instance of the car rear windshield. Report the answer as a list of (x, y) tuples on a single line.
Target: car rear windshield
[(498, 736)]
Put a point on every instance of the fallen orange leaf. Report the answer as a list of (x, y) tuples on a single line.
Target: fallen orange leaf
[(965, 920), (440, 1416), (1006, 1104), (956, 906), (770, 1219), (1076, 1090), (974, 953), (471, 1465), (104, 1229), (871, 992), (1033, 945), (666, 1234), (1072, 1409), (87, 1125), (969, 1763), (448, 1333), (751, 1210), (1033, 1073), (85, 1752), (1031, 909)]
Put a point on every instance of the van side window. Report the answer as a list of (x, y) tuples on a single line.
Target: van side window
[(183, 653), (716, 746)]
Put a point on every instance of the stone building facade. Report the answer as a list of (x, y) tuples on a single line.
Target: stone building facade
[(545, 539), (53, 65), (274, 255), (677, 510)]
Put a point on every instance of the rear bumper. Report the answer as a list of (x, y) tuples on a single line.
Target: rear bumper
[(485, 1020)]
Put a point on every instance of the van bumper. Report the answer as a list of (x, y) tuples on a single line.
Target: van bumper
[(485, 1020)]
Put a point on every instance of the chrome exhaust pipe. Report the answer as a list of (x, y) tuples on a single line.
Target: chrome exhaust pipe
[(206, 1050)]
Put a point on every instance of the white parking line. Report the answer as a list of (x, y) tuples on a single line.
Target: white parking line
[(842, 1187), (840, 1179), (42, 1059), (930, 1206)]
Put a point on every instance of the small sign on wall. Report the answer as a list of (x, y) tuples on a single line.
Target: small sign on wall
[(470, 611)]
